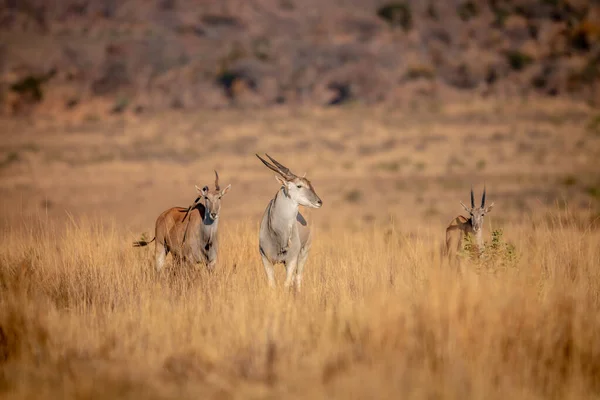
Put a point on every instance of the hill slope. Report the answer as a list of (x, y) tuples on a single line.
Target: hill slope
[(114, 56)]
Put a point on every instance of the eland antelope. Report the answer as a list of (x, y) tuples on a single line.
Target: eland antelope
[(284, 235), (460, 227), (190, 234)]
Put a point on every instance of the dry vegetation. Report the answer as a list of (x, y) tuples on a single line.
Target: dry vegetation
[(117, 108), (83, 315)]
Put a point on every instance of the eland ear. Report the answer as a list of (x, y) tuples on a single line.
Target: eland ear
[(280, 180), (467, 209), (283, 185), (224, 191)]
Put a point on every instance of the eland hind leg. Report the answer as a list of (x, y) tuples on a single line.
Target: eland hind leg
[(160, 254)]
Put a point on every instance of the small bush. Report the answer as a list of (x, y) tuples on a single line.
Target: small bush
[(593, 191), (470, 250), (431, 211), (31, 86), (120, 105), (584, 35), (500, 14), (467, 10), (11, 158), (495, 255), (589, 74), (261, 48), (353, 196), (419, 71), (569, 181), (420, 166), (539, 81), (391, 166), (518, 60), (432, 12), (287, 5), (397, 14), (593, 126), (500, 252), (114, 76)]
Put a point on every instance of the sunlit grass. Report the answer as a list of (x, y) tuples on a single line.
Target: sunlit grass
[(83, 314)]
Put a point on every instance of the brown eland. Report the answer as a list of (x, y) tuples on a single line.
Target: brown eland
[(190, 234), (460, 227)]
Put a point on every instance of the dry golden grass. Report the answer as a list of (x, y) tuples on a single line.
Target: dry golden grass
[(83, 315)]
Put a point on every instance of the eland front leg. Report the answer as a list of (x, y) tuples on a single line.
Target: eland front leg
[(290, 272), (302, 257), (268, 269)]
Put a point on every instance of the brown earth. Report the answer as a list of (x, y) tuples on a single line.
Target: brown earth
[(368, 164)]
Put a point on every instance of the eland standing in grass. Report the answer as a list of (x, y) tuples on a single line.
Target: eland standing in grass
[(284, 234), (460, 227), (190, 234)]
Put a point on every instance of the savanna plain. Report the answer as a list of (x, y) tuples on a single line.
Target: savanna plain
[(381, 314)]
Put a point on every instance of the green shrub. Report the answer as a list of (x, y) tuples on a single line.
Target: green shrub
[(495, 255), (499, 250)]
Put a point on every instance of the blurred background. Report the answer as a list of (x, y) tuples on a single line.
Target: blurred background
[(95, 57), (394, 108)]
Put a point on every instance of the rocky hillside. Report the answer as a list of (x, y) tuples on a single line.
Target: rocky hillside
[(117, 56)]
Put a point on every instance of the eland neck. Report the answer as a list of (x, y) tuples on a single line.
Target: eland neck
[(209, 227), (479, 239), (477, 236), (283, 214)]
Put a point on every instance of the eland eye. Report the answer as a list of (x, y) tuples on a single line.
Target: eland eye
[(299, 186)]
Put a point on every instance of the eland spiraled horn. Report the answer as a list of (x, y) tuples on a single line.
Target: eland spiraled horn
[(278, 167)]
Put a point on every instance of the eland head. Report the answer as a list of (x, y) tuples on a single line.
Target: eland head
[(477, 213), (297, 188), (212, 200)]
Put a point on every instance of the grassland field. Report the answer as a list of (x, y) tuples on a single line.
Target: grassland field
[(381, 314)]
